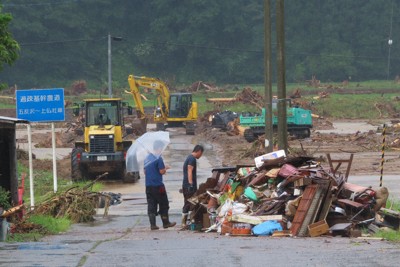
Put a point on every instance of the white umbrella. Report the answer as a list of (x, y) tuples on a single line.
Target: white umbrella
[(149, 143)]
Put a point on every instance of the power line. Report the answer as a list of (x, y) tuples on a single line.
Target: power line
[(63, 41), (204, 47), (41, 4), (261, 51)]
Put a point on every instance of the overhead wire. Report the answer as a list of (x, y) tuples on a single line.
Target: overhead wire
[(203, 47), (62, 41), (40, 4)]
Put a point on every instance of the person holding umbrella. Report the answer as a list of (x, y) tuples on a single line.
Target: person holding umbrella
[(156, 195)]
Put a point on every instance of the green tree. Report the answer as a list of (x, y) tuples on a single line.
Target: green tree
[(185, 41), (8, 46)]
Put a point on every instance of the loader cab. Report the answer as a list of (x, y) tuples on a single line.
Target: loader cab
[(179, 105), (103, 112)]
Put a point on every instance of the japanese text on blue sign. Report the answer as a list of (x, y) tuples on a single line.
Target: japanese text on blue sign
[(41, 105)]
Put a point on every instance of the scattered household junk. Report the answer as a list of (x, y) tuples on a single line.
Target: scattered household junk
[(286, 196)]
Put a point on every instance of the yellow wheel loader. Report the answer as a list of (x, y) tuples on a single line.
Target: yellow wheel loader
[(103, 148)]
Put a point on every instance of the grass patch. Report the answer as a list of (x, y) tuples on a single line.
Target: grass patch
[(337, 106), (390, 235), (25, 237), (42, 183), (6, 105), (50, 224), (363, 106), (46, 225), (393, 204)]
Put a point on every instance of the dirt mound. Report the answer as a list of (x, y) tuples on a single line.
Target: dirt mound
[(45, 140), (366, 147)]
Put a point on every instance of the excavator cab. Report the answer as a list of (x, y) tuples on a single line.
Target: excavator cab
[(180, 105)]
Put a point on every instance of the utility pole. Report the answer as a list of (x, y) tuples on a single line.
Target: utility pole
[(280, 31), (269, 144), (110, 38), (109, 67)]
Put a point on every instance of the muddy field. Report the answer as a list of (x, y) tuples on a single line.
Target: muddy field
[(235, 150), (365, 146)]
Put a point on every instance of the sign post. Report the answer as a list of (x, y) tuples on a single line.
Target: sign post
[(41, 105)]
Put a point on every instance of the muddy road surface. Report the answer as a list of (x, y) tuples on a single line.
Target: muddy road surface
[(124, 238)]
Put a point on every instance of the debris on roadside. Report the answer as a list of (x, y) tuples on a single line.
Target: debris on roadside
[(78, 204), (249, 96), (202, 86), (11, 211), (321, 95), (283, 196), (296, 94), (114, 198), (222, 119)]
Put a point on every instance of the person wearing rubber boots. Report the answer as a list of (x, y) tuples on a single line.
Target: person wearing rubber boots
[(189, 184), (156, 193)]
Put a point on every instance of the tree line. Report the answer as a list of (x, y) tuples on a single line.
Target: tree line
[(185, 41)]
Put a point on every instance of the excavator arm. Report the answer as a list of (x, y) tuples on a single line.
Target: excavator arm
[(151, 83), (136, 97)]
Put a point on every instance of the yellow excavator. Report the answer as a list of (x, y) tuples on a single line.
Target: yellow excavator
[(172, 109)]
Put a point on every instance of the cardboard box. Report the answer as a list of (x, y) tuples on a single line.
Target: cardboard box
[(206, 220), (318, 228)]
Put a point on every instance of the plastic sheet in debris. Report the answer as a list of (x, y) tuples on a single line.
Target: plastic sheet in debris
[(267, 228), (259, 161)]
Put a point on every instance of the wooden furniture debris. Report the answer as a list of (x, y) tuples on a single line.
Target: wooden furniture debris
[(302, 210), (243, 218), (339, 162), (11, 211), (318, 228)]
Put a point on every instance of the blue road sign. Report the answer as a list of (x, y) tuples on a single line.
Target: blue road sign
[(41, 105)]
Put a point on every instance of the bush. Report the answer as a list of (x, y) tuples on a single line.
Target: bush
[(4, 199)]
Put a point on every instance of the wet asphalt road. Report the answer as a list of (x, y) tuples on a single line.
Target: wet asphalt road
[(124, 239)]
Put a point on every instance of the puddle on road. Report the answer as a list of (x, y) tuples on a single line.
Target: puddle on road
[(9, 247), (41, 247), (73, 242)]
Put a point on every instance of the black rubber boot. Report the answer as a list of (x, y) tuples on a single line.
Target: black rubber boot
[(152, 219), (166, 222)]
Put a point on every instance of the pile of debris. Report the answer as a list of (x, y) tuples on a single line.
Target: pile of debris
[(222, 119), (360, 142), (249, 96), (203, 86), (284, 196), (78, 204)]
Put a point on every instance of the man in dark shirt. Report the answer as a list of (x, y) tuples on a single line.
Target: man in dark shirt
[(189, 184), (155, 190), (102, 118)]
